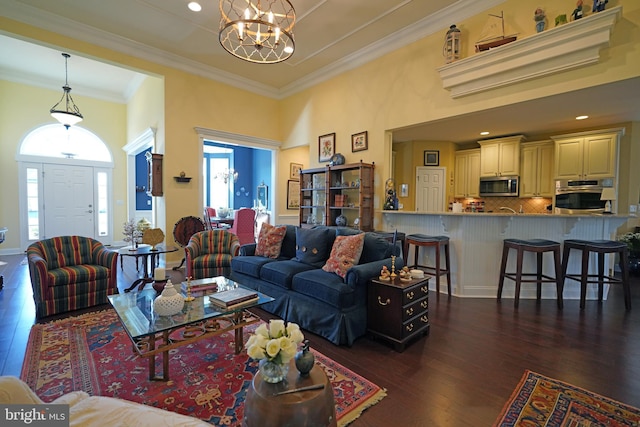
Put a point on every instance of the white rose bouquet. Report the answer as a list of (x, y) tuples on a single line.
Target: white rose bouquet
[(275, 342)]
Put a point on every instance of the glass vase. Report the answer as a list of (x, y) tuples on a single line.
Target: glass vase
[(273, 372)]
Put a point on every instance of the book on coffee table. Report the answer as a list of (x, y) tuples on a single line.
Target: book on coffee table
[(201, 285), (233, 297)]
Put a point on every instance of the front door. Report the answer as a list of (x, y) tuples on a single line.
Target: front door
[(68, 201), (430, 189)]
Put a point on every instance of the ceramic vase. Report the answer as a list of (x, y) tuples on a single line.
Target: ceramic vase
[(305, 359), (273, 372), (169, 302)]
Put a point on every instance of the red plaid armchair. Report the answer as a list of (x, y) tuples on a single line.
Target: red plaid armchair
[(209, 253), (69, 273)]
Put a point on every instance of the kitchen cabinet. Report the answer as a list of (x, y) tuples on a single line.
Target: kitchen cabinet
[(467, 174), (500, 156), (587, 155), (333, 194), (398, 310), (536, 177)]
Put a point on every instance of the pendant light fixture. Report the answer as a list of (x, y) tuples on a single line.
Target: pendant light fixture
[(259, 31), (66, 111)]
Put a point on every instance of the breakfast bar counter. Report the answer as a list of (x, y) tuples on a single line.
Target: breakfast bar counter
[(476, 246)]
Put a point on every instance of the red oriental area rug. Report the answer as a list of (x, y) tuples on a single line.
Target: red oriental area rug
[(92, 353), (544, 401)]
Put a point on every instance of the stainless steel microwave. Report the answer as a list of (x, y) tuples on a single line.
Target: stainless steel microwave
[(499, 186)]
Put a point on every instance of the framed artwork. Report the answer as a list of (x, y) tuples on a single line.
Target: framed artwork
[(326, 147), (293, 194), (294, 171), (359, 142), (431, 157)]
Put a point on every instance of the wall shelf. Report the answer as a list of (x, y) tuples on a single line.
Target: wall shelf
[(182, 178), (569, 46)]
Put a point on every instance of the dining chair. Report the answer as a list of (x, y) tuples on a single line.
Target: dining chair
[(244, 225), (209, 213)]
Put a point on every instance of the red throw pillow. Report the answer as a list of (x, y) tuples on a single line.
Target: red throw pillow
[(270, 240), (345, 253)]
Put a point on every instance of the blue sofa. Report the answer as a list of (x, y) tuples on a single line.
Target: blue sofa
[(319, 301)]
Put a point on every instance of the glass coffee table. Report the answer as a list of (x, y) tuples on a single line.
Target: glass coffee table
[(153, 335)]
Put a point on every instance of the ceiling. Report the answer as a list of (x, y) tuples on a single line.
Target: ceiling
[(331, 36)]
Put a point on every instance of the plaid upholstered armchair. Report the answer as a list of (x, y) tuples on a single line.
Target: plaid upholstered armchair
[(70, 273), (209, 253)]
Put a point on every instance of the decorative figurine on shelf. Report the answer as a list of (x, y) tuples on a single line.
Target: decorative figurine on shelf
[(384, 274), (599, 5), (540, 18), (451, 48), (391, 201), (561, 19), (577, 12), (337, 159)]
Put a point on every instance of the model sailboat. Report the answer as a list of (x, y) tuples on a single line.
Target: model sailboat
[(493, 34)]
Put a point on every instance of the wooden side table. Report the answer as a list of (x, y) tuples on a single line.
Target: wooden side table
[(398, 310), (264, 408)]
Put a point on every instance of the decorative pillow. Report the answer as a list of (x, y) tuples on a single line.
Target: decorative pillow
[(313, 245), (270, 240), (345, 254)]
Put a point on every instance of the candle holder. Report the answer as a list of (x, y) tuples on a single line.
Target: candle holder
[(189, 298), (393, 266)]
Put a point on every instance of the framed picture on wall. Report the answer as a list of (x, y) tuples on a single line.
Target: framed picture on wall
[(294, 171), (293, 194), (326, 147), (359, 142), (431, 157)]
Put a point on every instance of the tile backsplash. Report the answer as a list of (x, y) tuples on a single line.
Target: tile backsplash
[(493, 204)]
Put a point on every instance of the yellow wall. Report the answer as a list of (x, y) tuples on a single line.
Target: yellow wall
[(400, 89)]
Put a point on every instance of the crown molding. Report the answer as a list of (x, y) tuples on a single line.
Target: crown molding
[(569, 46)]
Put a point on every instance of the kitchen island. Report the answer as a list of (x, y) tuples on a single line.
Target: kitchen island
[(476, 246)]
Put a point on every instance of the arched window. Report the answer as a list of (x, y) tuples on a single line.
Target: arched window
[(57, 141)]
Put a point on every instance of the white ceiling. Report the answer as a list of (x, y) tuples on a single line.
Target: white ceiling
[(331, 36)]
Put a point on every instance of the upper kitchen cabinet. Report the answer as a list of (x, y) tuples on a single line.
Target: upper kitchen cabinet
[(467, 174), (587, 155), (536, 177), (500, 156)]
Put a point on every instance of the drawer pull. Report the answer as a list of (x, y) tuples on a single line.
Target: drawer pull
[(424, 319), (424, 289), (410, 295), (387, 302), (410, 311), (409, 327), (424, 304)]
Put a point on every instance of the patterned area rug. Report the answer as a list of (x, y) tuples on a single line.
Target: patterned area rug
[(543, 401), (92, 352)]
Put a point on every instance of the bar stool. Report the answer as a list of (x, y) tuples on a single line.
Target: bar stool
[(601, 247), (437, 242), (539, 247)]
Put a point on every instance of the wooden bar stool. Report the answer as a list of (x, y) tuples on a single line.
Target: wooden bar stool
[(601, 247), (437, 242), (539, 247)]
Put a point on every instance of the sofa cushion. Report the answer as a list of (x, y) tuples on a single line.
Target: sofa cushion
[(77, 274), (375, 246), (288, 249), (249, 265), (323, 286), (313, 245), (345, 253), (270, 240), (281, 273)]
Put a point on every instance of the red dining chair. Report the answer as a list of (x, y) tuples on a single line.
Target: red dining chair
[(243, 225), (209, 213)]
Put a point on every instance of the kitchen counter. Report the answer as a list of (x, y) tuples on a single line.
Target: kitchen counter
[(476, 246)]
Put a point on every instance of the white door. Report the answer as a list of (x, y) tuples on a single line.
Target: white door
[(430, 189), (68, 201)]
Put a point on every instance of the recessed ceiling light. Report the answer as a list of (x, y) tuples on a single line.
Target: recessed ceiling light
[(582, 117), (194, 6), (484, 133)]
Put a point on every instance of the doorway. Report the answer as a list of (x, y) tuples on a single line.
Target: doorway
[(430, 189)]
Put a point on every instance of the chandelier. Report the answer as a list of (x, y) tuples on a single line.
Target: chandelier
[(226, 175), (65, 111), (259, 31)]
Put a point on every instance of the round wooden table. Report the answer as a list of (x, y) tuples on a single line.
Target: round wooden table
[(304, 408)]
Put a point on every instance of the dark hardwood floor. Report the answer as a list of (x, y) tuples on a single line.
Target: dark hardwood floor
[(462, 373)]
